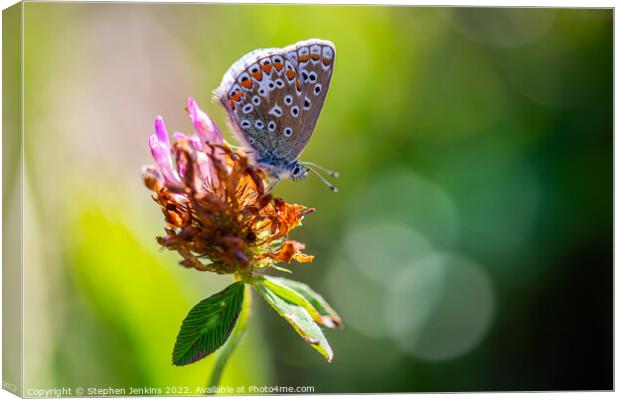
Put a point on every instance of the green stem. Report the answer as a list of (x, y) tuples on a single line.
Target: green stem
[(235, 339)]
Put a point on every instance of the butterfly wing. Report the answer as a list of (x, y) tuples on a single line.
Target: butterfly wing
[(315, 63), (271, 101), (243, 94)]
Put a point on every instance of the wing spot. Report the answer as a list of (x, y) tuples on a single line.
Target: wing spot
[(266, 63), (247, 108), (276, 111), (245, 123), (317, 89), (288, 100), (279, 83), (288, 131), (277, 63), (295, 111), (244, 81), (271, 126), (312, 77), (298, 87), (256, 100), (307, 103), (315, 53), (328, 53), (304, 53), (259, 124)]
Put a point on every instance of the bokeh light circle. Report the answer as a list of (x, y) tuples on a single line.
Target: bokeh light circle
[(401, 196), (440, 307), (359, 300), (379, 250)]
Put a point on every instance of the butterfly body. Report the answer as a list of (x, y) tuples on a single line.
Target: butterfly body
[(274, 98)]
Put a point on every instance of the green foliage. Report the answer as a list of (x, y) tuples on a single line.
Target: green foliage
[(293, 307), (208, 325), (302, 295)]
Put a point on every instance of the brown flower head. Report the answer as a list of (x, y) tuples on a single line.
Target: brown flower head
[(218, 214)]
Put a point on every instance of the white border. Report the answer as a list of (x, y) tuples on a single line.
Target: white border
[(537, 3)]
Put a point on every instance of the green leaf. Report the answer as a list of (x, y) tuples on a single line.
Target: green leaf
[(208, 325), (297, 316), (310, 300)]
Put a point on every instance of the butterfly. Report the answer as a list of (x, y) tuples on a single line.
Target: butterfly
[(274, 98)]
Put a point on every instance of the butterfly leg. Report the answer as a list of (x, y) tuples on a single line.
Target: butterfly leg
[(274, 184)]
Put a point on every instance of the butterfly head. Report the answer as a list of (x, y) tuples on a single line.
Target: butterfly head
[(297, 171), (294, 170)]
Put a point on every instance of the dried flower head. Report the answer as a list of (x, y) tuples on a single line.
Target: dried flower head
[(218, 214)]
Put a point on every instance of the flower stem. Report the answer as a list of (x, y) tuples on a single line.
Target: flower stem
[(235, 339)]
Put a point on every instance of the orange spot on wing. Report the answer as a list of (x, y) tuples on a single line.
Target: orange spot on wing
[(278, 66), (247, 84), (258, 75), (267, 69), (298, 84), (326, 61), (236, 96), (315, 56), (303, 58), (290, 74)]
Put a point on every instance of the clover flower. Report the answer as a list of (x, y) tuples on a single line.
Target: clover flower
[(220, 218)]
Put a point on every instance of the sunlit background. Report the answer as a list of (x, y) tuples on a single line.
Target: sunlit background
[(469, 247)]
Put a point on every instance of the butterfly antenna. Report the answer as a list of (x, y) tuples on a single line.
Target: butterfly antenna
[(322, 169), (324, 180)]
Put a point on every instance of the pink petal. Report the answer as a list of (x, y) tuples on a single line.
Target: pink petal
[(206, 129), (160, 131), (163, 159), (179, 135)]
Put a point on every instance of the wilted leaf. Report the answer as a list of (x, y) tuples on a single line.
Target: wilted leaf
[(302, 295), (208, 325), (298, 317)]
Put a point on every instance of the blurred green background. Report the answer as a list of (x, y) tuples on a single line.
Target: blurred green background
[(469, 247)]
